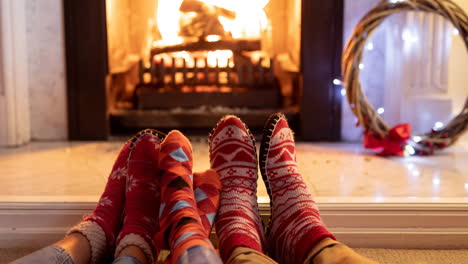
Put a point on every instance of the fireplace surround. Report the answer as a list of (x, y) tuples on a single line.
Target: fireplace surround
[(318, 109)]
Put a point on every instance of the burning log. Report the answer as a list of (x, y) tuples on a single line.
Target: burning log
[(237, 46), (206, 22), (200, 7)]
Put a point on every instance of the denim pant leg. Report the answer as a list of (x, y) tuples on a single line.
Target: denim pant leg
[(126, 260), (48, 255)]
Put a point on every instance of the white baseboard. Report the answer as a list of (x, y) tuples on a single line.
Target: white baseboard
[(429, 226)]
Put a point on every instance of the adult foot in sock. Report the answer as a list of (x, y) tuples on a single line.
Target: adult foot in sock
[(233, 156), (142, 197), (295, 227), (102, 226)]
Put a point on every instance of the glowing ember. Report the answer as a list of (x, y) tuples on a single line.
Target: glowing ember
[(219, 57)]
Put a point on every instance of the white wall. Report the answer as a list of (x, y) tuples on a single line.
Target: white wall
[(354, 10), (46, 69), (458, 68), (32, 72), (419, 81), (2, 95), (14, 97)]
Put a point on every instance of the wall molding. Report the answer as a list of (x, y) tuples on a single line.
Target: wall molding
[(372, 225), (14, 95)]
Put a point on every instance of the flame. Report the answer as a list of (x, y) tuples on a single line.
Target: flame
[(250, 19), (220, 57), (213, 38), (249, 22)]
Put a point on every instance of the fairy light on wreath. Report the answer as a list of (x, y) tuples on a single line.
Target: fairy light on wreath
[(377, 134)]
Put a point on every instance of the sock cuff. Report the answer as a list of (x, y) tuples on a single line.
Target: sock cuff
[(310, 240), (135, 240), (237, 240), (95, 236)]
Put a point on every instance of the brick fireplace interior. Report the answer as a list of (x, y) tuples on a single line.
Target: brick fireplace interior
[(183, 64)]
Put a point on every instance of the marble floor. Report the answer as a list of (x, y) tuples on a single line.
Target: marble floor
[(336, 173)]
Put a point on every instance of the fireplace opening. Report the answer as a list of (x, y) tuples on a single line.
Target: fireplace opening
[(183, 64), (192, 61)]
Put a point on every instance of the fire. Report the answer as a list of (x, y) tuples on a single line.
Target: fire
[(249, 18), (211, 21), (219, 57)]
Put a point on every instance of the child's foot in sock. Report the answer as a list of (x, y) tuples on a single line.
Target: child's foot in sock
[(142, 197), (207, 186), (181, 227), (295, 226), (102, 225), (233, 156)]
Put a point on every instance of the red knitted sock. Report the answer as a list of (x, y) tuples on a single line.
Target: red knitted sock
[(181, 226), (233, 156), (142, 196), (206, 187), (296, 226), (102, 225)]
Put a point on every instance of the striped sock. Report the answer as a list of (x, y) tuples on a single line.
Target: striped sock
[(233, 156), (181, 225), (296, 226)]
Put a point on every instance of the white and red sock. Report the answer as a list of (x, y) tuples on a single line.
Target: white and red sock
[(142, 196), (233, 156), (295, 226), (103, 224)]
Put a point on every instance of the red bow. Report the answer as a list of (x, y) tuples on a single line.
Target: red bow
[(393, 144)]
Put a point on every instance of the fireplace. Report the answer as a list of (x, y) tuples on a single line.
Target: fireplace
[(202, 66)]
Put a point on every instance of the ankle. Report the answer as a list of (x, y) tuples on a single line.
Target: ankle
[(87, 235), (340, 254), (134, 251), (77, 246), (333, 253)]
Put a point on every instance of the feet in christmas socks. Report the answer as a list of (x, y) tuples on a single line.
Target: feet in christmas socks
[(142, 196), (233, 156), (181, 225), (295, 226), (102, 225)]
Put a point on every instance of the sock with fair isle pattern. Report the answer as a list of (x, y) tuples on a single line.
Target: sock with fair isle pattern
[(295, 226), (233, 156)]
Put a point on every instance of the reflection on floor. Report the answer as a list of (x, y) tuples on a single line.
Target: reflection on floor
[(77, 171)]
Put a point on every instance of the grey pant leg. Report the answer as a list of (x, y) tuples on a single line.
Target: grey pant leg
[(48, 255)]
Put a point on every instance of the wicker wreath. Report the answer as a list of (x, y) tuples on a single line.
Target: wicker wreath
[(373, 124)]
